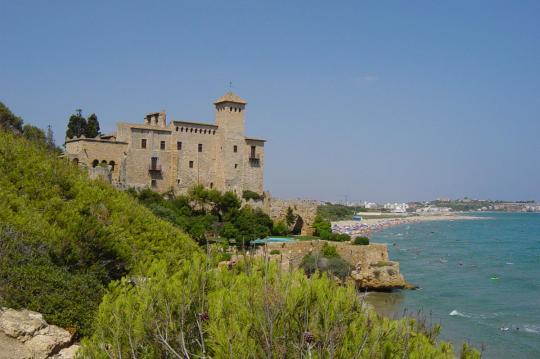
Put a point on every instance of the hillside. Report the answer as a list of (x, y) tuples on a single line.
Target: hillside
[(93, 260), (63, 238)]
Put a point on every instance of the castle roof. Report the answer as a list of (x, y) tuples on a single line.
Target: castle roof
[(230, 97)]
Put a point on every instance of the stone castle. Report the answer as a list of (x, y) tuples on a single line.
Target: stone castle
[(178, 155)]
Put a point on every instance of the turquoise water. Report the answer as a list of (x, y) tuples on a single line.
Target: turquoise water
[(480, 279)]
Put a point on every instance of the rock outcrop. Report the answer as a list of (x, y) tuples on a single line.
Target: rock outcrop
[(382, 276), (26, 335)]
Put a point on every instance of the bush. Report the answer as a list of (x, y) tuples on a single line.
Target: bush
[(223, 313), (361, 241), (280, 229), (275, 251), (329, 251), (247, 195)]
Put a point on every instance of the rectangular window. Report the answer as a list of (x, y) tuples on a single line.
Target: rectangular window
[(154, 183), (162, 145), (154, 163), (190, 164), (178, 145), (200, 147), (143, 143), (252, 152), (235, 148), (236, 165)]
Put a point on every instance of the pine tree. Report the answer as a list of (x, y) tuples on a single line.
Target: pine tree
[(76, 125), (92, 126), (50, 138), (290, 218)]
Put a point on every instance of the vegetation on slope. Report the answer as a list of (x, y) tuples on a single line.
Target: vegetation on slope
[(207, 214), (63, 238), (252, 311)]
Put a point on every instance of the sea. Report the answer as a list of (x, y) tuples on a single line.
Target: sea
[(479, 279)]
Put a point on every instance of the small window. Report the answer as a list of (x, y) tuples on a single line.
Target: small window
[(153, 183), (162, 145), (178, 145), (176, 128), (143, 143), (211, 185), (190, 164), (236, 165), (178, 181), (200, 147), (95, 163), (235, 148), (253, 151)]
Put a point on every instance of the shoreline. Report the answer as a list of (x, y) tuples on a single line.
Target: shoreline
[(367, 226)]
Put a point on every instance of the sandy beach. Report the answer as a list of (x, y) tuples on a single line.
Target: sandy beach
[(369, 225)]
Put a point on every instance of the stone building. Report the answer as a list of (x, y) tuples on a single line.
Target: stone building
[(178, 155)]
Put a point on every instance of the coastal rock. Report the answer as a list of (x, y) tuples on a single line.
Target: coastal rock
[(48, 340), (25, 334), (20, 325), (381, 275)]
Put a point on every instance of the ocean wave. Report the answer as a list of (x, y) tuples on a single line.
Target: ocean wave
[(532, 328), (459, 314)]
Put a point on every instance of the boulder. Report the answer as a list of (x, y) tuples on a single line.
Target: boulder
[(20, 324), (48, 340), (25, 334)]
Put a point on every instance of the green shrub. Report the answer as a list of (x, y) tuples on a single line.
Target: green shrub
[(275, 251), (250, 195), (362, 241), (251, 311), (329, 251), (280, 229)]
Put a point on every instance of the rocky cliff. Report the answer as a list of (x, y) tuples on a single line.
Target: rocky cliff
[(26, 335)]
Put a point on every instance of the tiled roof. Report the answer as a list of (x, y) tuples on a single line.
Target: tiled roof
[(230, 97)]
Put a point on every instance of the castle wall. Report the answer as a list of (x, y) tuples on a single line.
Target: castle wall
[(86, 151), (223, 163)]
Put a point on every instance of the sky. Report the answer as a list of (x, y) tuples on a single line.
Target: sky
[(368, 100)]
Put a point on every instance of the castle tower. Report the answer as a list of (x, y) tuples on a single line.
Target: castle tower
[(230, 109)]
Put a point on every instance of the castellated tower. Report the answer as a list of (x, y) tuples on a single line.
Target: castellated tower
[(230, 110)]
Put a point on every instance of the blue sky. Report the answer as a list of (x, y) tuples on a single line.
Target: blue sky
[(386, 101)]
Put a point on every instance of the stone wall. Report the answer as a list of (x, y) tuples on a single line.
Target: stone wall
[(371, 267), (306, 209), (293, 252)]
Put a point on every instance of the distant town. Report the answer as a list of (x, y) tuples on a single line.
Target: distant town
[(440, 205)]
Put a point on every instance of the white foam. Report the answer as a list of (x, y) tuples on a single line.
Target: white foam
[(532, 328), (459, 314)]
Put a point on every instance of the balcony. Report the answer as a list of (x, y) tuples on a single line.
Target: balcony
[(254, 161), (154, 168)]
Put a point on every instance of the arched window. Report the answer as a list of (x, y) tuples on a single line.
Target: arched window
[(191, 130), (75, 161), (104, 163), (211, 185), (111, 163), (95, 163)]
